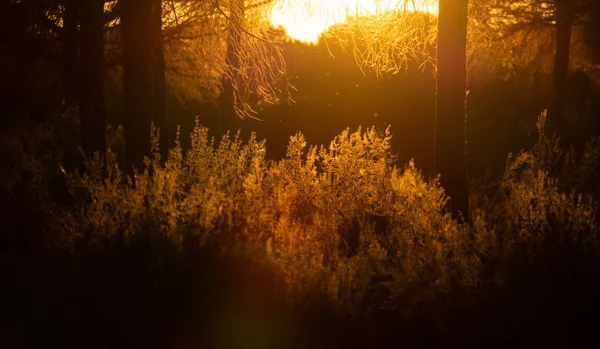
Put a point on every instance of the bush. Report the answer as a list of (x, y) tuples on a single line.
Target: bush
[(341, 222), (338, 225)]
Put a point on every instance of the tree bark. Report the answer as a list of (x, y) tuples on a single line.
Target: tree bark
[(564, 23), (144, 83), (159, 80), (450, 128), (70, 50), (137, 79), (92, 107)]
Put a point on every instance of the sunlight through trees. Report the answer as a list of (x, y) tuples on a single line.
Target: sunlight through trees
[(297, 173)]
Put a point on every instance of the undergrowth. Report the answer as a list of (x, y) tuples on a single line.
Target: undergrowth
[(342, 224)]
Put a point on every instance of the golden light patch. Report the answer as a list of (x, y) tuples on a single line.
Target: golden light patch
[(305, 20)]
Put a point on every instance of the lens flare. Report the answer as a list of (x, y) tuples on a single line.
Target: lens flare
[(305, 20)]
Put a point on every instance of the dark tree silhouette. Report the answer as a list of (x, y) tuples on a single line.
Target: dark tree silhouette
[(143, 76), (592, 31), (564, 18), (509, 18), (70, 49), (92, 105), (159, 79), (450, 130)]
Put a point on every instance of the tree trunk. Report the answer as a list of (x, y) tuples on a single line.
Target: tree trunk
[(143, 77), (70, 50), (564, 23), (450, 128), (92, 108), (159, 82)]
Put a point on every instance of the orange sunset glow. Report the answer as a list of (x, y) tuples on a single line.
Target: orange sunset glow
[(306, 20), (340, 174)]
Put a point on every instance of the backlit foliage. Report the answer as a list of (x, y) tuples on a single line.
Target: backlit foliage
[(340, 223), (200, 34), (386, 42), (193, 49), (540, 210), (518, 38)]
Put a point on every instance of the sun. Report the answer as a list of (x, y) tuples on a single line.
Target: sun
[(305, 20)]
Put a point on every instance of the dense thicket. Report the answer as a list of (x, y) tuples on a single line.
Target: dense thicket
[(337, 235)]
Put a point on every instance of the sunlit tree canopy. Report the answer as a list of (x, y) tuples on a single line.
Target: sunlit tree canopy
[(382, 35), (306, 20), (202, 33)]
